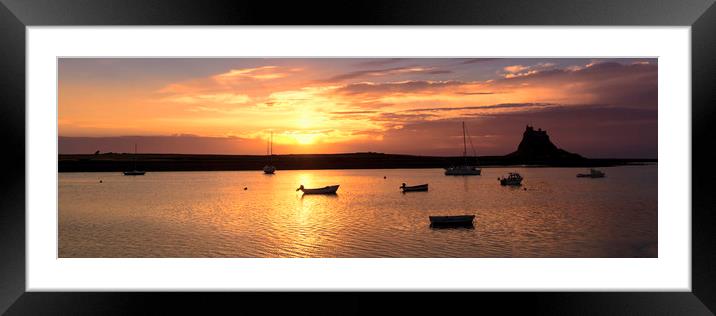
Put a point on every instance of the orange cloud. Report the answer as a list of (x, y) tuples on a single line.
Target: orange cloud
[(514, 68), (387, 72), (520, 70), (225, 98), (258, 73)]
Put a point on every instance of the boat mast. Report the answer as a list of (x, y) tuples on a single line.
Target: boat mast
[(269, 147), (464, 141)]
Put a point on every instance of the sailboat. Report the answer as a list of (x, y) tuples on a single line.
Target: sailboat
[(465, 169), (269, 169), (134, 172)]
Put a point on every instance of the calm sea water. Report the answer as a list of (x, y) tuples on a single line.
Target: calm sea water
[(209, 214)]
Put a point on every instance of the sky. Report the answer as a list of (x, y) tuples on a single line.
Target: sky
[(599, 108)]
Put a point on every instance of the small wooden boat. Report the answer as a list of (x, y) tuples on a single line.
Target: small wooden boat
[(414, 188), (593, 173), (451, 221), (513, 178), (331, 189)]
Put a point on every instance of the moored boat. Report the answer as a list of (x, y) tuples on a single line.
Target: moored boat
[(464, 169), (414, 188), (593, 173), (331, 189), (513, 178), (134, 172), (451, 221), (269, 169)]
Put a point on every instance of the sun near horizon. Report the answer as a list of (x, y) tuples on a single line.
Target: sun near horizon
[(595, 107)]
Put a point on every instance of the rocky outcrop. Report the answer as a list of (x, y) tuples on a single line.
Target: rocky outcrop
[(536, 147)]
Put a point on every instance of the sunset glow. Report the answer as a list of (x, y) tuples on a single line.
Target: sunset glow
[(598, 107)]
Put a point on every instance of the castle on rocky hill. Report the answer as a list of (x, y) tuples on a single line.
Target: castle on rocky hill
[(536, 146)]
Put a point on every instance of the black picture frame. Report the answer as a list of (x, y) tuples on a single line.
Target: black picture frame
[(16, 15)]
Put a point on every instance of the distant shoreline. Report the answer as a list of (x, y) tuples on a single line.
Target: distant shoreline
[(117, 162)]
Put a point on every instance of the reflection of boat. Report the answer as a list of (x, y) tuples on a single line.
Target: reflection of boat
[(331, 189), (513, 178), (134, 172), (414, 188), (465, 169), (269, 169), (593, 173), (451, 221)]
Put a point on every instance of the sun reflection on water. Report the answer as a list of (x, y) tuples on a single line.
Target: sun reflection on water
[(209, 214)]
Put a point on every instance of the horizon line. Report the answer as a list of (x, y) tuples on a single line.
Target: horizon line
[(325, 154)]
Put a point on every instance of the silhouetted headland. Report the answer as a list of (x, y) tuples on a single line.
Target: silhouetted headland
[(535, 150)]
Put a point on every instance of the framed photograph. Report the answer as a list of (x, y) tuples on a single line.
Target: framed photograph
[(547, 153)]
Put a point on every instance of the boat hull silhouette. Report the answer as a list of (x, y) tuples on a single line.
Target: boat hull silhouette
[(513, 178), (331, 189), (269, 169), (452, 221), (463, 171), (414, 188)]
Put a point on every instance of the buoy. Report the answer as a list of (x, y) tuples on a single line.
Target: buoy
[(525, 189), (100, 181), (384, 177), (245, 188)]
